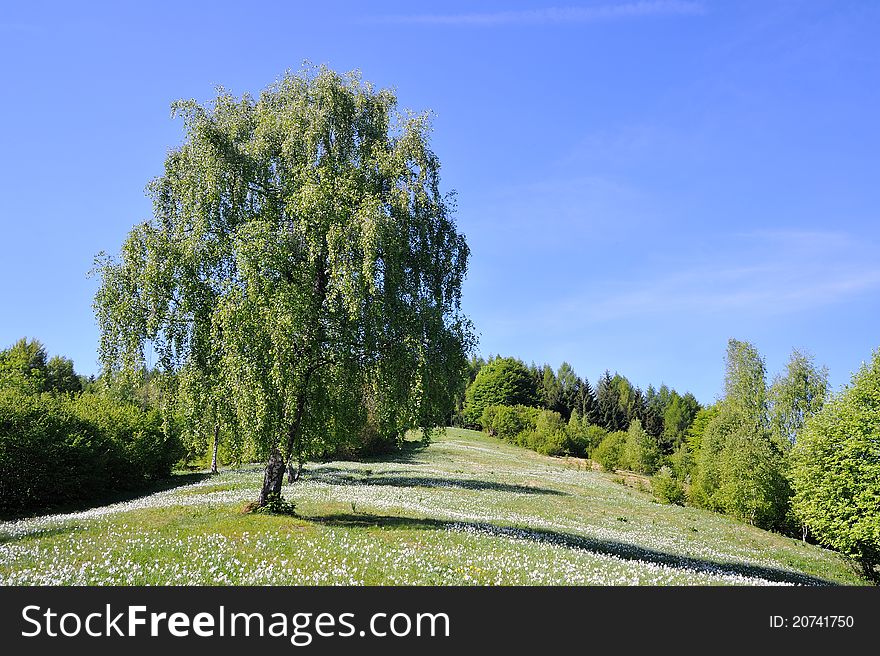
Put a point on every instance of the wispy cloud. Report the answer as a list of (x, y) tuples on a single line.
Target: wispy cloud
[(782, 272), (554, 15)]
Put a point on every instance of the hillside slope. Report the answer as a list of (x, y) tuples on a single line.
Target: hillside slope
[(468, 509)]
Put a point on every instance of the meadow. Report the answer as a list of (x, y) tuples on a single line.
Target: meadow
[(466, 509)]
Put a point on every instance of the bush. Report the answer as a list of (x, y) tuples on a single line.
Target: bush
[(667, 488), (503, 381), (642, 452), (609, 453), (508, 422), (836, 471), (276, 505), (682, 463), (487, 419), (56, 450), (548, 436), (582, 437)]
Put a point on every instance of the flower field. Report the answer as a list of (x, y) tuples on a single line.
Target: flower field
[(465, 510)]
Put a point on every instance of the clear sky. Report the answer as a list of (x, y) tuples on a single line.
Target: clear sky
[(638, 180)]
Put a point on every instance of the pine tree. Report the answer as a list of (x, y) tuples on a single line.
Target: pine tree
[(588, 406)]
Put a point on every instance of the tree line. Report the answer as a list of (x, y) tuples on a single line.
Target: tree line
[(784, 455), (612, 406)]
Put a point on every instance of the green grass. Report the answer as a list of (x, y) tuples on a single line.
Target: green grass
[(468, 509)]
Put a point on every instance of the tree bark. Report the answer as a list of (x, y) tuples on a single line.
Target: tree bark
[(275, 468), (273, 478), (293, 475), (216, 447)]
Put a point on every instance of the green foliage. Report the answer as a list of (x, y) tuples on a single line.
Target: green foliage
[(302, 263), (23, 366), (503, 381), (507, 422), (549, 436), (740, 471), (836, 471), (667, 488), (655, 407), (745, 382), (581, 436), (60, 376), (611, 451), (682, 462), (740, 468), (795, 397), (544, 431), (277, 505), (678, 416), (611, 408), (588, 407), (694, 434), (475, 363), (57, 450), (642, 450), (593, 437), (569, 395)]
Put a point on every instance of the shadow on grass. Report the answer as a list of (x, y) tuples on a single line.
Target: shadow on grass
[(173, 481), (337, 476), (621, 550), (407, 453)]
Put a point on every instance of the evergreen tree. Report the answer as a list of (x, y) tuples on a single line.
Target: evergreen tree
[(569, 386), (612, 416), (588, 406), (549, 391)]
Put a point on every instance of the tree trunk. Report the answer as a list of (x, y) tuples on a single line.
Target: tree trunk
[(275, 468), (216, 446), (278, 463), (293, 475), (273, 478)]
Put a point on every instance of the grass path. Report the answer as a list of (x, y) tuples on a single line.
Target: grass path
[(468, 509)]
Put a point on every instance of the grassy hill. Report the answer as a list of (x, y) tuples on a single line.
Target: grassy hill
[(468, 509)]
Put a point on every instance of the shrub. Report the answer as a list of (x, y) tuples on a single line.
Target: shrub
[(549, 435), (276, 505), (64, 449), (593, 436), (487, 419), (503, 381), (642, 452), (609, 453), (507, 422), (836, 471), (666, 487), (581, 436), (510, 421), (682, 463)]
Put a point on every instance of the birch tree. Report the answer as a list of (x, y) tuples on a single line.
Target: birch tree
[(302, 264)]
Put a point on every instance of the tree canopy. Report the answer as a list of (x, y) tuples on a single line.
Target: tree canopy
[(836, 471), (301, 265), (503, 381)]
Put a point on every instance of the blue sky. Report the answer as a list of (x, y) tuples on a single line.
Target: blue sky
[(638, 180)]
